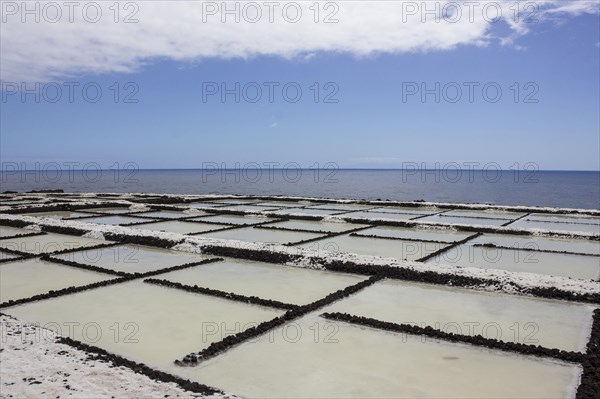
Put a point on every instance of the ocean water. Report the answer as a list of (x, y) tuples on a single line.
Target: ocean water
[(572, 189)]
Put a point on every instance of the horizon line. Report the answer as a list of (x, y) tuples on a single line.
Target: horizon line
[(50, 170)]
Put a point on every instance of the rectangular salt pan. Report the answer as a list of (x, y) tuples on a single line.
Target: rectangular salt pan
[(378, 215), (551, 264), (267, 281), (305, 211), (464, 220), (18, 202), (528, 224), (490, 214), (23, 279), (411, 210), (509, 318), (540, 243), (315, 226), (165, 215), (235, 201), (247, 208), (235, 219), (564, 218), (278, 204), (113, 220), (47, 243), (180, 227), (403, 250), (415, 233), (340, 360), (58, 214), (342, 207), (204, 205), (144, 322), (132, 258), (112, 211), (7, 231), (251, 234)]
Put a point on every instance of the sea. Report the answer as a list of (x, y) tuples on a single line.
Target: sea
[(570, 189)]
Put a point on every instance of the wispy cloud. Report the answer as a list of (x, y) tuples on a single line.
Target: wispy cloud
[(189, 31)]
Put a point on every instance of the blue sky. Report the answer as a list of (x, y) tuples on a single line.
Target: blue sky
[(370, 126)]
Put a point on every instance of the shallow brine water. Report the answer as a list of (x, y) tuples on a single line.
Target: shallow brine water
[(509, 318), (165, 215), (202, 205), (245, 208), (379, 215), (181, 227), (6, 231), (132, 258), (268, 236), (342, 207), (17, 202), (278, 204), (235, 201), (268, 281), (112, 211), (534, 224), (58, 214), (235, 219), (113, 220), (403, 250), (46, 243), (540, 243), (314, 358), (410, 210), (444, 235), (490, 214), (144, 322), (552, 264), (23, 279), (564, 218), (306, 211), (316, 226), (465, 220)]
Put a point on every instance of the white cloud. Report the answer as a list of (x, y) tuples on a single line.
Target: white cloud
[(188, 31)]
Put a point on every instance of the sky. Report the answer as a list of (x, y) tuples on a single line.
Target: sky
[(376, 84)]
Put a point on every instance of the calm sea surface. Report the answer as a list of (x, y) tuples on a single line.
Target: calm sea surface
[(538, 188)]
